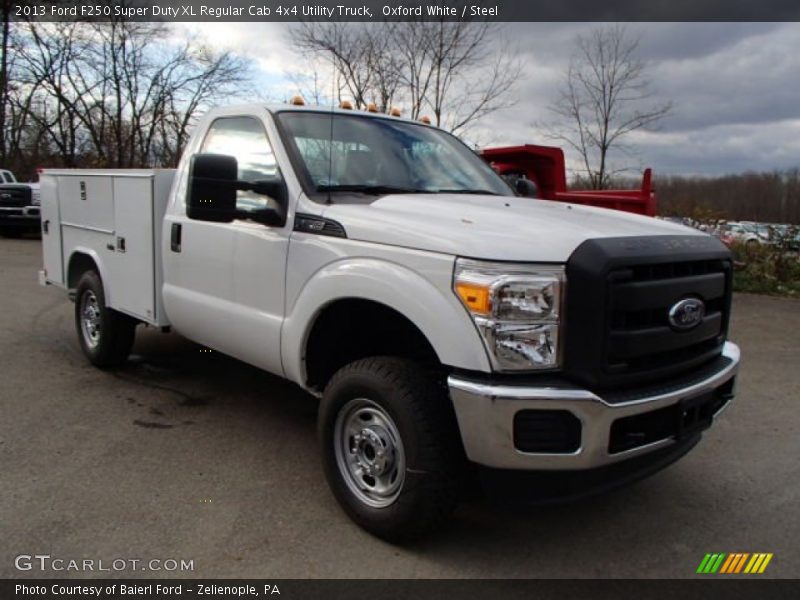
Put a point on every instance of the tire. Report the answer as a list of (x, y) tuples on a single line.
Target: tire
[(105, 335), (397, 407)]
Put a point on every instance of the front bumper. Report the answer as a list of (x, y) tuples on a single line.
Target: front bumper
[(486, 414), (20, 216)]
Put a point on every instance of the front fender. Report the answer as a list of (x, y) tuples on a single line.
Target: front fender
[(436, 312)]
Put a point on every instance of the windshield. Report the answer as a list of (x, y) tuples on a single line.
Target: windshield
[(343, 153)]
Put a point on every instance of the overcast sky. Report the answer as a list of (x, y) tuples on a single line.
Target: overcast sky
[(735, 88)]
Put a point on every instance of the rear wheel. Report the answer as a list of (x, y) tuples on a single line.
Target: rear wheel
[(105, 335), (391, 449)]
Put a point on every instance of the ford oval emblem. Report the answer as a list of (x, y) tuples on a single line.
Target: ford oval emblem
[(687, 314)]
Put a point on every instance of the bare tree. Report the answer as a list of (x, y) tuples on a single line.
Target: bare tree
[(5, 67), (455, 71), (772, 197), (113, 94), (605, 96), (350, 49), (196, 81)]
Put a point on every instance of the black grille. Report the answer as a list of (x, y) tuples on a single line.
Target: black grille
[(640, 336), (15, 196), (619, 293)]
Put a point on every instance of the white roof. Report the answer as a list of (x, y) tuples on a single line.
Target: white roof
[(277, 108)]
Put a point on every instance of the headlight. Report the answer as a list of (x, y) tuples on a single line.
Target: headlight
[(517, 309), (36, 198)]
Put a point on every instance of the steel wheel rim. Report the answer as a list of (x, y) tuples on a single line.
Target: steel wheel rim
[(369, 452), (90, 319)]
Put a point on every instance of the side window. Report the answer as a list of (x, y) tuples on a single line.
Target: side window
[(244, 138)]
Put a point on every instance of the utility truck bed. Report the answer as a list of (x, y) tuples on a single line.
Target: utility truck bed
[(115, 218)]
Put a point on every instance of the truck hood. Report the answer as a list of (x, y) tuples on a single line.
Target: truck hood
[(490, 227)]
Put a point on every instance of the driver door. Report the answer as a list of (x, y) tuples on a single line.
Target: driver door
[(226, 287)]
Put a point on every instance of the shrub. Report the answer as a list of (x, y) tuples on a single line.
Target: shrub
[(766, 269)]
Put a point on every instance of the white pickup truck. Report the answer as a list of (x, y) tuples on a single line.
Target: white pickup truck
[(444, 321), (19, 205)]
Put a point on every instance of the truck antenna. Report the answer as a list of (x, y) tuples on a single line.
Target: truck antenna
[(330, 144)]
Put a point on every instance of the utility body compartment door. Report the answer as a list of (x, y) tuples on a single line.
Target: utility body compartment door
[(132, 273), (51, 231), (87, 202)]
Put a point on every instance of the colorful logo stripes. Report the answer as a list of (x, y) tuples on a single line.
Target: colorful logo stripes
[(739, 562)]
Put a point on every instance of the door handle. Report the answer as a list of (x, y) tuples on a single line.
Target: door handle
[(175, 237)]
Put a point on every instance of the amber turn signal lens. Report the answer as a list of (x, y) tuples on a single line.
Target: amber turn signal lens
[(475, 297)]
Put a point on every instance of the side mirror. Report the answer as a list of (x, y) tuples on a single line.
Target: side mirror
[(212, 188), (212, 191), (526, 188)]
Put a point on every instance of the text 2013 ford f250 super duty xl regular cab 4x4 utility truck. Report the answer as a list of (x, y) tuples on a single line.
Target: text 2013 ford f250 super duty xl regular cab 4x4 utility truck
[(443, 321)]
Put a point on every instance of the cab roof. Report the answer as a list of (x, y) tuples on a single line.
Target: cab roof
[(276, 108)]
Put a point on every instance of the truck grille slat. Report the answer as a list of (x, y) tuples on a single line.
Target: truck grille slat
[(639, 295), (634, 343)]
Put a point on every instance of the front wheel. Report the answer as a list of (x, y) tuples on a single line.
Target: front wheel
[(391, 449), (105, 335)]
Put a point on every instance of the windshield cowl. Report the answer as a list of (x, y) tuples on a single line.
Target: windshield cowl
[(381, 190)]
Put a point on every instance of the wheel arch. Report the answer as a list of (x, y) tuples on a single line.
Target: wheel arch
[(425, 312), (85, 259)]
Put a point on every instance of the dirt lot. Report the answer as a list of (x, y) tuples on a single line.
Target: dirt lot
[(195, 456)]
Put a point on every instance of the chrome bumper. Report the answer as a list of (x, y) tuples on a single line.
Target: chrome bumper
[(21, 212), (485, 414)]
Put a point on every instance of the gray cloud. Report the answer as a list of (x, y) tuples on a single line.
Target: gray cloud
[(735, 87)]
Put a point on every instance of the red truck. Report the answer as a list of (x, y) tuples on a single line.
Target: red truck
[(544, 166)]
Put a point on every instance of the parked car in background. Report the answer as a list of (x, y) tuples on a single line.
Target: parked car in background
[(787, 236), (19, 206), (743, 233)]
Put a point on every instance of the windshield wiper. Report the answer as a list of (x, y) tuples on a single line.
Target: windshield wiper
[(369, 189), (467, 191)]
